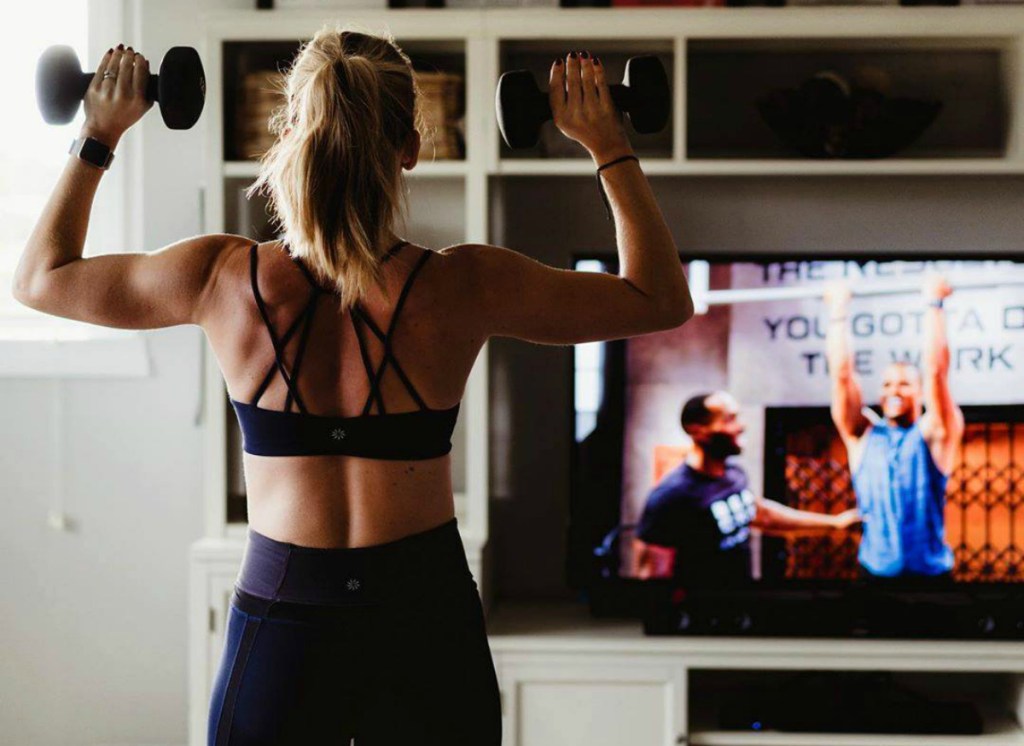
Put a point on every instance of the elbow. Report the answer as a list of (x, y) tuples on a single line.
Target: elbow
[(22, 291), (678, 312)]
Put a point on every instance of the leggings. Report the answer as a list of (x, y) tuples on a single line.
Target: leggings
[(383, 644)]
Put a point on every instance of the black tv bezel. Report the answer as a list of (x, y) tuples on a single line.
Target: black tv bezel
[(628, 597)]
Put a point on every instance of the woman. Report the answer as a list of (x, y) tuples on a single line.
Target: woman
[(355, 614)]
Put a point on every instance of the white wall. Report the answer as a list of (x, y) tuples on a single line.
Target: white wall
[(93, 630)]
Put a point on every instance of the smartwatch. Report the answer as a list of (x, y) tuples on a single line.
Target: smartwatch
[(937, 303), (91, 150)]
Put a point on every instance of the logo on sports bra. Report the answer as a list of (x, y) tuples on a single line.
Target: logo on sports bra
[(352, 585), (337, 433)]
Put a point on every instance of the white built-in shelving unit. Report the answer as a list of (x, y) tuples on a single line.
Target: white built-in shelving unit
[(568, 679)]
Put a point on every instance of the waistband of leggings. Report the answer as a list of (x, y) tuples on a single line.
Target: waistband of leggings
[(415, 565)]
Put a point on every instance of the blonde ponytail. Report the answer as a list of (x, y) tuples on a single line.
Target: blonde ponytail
[(333, 175)]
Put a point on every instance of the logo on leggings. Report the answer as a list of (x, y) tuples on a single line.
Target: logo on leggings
[(352, 584)]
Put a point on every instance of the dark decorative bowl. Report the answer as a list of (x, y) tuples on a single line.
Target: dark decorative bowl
[(824, 118)]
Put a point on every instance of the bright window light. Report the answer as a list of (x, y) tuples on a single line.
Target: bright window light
[(33, 154)]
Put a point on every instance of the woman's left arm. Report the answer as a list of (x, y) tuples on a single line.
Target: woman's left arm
[(168, 287)]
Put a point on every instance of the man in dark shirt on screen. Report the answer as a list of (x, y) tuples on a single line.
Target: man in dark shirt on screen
[(704, 509)]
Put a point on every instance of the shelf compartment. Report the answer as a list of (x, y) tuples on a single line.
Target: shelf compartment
[(994, 694), (1000, 730), (273, 57), (971, 76), (537, 56)]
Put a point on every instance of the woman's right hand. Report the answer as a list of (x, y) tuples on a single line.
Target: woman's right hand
[(582, 107)]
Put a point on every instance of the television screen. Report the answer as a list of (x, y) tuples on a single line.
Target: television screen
[(817, 422)]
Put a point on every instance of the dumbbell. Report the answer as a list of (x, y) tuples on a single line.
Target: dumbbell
[(522, 108), (180, 88)]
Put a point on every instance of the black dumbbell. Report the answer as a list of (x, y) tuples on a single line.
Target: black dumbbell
[(180, 88), (522, 108)]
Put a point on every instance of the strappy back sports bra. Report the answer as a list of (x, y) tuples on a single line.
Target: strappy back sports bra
[(421, 434)]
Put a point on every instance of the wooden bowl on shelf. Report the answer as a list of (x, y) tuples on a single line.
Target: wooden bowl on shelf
[(826, 118)]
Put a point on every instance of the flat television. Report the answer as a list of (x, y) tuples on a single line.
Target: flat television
[(759, 525)]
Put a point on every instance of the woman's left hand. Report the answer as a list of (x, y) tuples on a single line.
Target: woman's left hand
[(114, 104)]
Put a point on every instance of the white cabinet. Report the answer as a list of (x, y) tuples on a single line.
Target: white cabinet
[(213, 567), (589, 683), (221, 586), (598, 699), (568, 679)]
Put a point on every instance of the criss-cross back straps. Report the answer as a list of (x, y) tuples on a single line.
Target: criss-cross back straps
[(278, 345), (375, 378)]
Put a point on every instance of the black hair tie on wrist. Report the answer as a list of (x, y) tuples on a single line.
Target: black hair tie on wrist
[(600, 186)]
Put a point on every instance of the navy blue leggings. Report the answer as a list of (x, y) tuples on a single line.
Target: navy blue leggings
[(383, 644)]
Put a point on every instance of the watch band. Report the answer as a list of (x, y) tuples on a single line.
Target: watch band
[(92, 151)]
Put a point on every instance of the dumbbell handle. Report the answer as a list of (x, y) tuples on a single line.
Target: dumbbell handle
[(152, 86), (622, 97)]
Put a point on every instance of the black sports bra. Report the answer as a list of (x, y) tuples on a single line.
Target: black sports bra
[(425, 433)]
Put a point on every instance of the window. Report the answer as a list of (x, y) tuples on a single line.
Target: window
[(589, 371), (33, 154)]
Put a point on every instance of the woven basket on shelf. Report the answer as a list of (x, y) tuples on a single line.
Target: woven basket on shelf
[(258, 96), (440, 102)]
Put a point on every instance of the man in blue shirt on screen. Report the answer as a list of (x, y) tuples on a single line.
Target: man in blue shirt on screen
[(899, 463), (704, 509)]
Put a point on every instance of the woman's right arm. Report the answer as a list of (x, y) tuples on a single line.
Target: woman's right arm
[(520, 297)]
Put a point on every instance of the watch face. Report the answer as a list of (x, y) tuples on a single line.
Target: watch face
[(94, 151)]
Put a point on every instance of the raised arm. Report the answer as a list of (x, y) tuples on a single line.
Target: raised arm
[(846, 394), (944, 422), (517, 296)]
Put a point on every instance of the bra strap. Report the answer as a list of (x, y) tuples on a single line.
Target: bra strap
[(273, 366), (270, 328), (357, 313), (388, 355), (308, 316)]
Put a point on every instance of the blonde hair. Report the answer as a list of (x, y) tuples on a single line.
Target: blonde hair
[(334, 181)]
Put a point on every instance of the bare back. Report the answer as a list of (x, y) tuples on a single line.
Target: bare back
[(466, 294), (339, 500)]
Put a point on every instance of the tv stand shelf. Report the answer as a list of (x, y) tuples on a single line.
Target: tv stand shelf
[(568, 678), (1000, 730)]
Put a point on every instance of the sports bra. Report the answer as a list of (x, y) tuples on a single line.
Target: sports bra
[(421, 434)]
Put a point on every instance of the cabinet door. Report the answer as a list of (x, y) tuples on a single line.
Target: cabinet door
[(221, 585), (592, 700)]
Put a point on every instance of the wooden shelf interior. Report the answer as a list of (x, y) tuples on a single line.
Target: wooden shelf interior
[(725, 78), (992, 693)]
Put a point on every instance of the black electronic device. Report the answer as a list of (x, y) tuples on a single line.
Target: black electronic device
[(93, 151), (845, 702), (652, 538)]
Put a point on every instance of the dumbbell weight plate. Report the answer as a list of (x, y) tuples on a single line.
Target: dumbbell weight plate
[(647, 83), (517, 91), (181, 88), (60, 84)]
